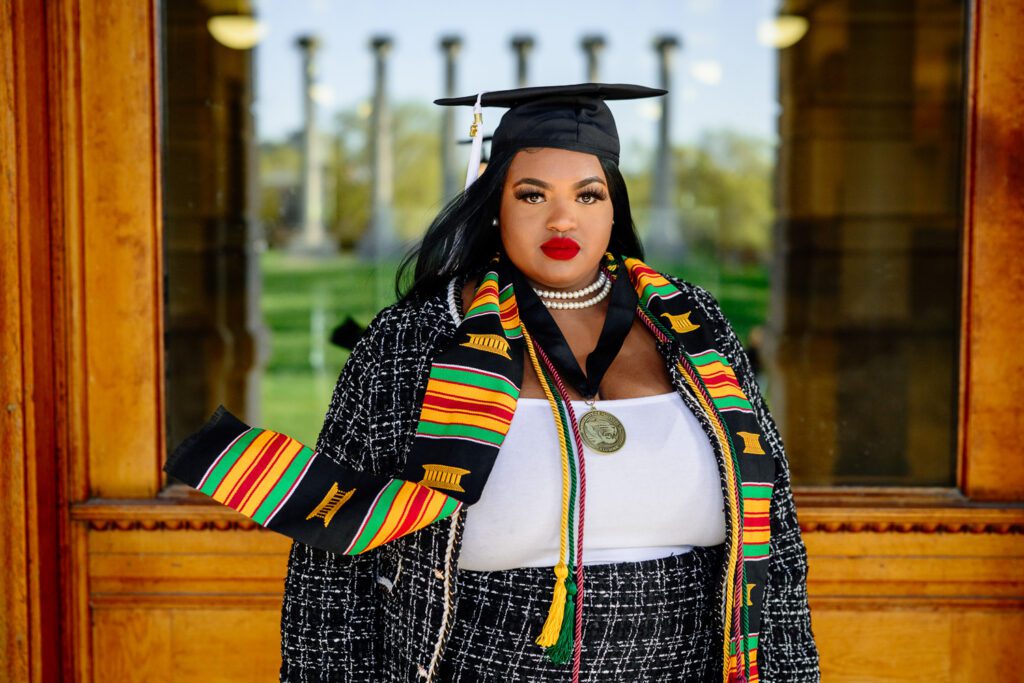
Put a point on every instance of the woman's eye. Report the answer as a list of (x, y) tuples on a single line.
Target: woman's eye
[(531, 197), (590, 198)]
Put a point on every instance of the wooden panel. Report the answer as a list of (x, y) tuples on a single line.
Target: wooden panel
[(992, 367), (30, 636), (986, 645), (133, 645), (942, 567), (14, 627), (121, 323), (886, 606), (226, 646), (887, 645), (165, 645)]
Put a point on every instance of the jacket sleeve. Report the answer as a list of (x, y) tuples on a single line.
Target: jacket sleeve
[(329, 614), (786, 647)]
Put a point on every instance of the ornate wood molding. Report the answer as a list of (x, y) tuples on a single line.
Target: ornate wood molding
[(159, 515), (197, 513), (921, 527)]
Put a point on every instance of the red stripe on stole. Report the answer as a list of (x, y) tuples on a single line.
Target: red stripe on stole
[(720, 378), (266, 472), (401, 518), (507, 312), (644, 270), (440, 387), (446, 402), (237, 488), (256, 470), (413, 511)]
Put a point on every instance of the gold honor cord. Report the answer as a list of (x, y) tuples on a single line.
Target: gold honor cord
[(553, 624)]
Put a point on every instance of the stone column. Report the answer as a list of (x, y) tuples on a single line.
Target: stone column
[(450, 46), (381, 241), (664, 236), (313, 237), (522, 46), (592, 46)]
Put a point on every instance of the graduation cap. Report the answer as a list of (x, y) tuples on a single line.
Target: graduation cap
[(573, 117)]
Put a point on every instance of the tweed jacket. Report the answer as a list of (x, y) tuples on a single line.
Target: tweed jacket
[(385, 616)]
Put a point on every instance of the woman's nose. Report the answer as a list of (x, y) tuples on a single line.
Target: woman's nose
[(562, 216)]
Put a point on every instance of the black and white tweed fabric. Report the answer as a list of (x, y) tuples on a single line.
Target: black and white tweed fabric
[(654, 620), (388, 616)]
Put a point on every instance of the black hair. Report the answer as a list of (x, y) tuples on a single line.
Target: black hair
[(462, 239)]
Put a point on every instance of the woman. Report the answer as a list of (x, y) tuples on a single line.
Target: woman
[(535, 352)]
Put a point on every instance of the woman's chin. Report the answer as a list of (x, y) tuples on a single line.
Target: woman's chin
[(562, 276)]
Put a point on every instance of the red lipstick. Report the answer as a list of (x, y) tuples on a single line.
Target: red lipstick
[(560, 248)]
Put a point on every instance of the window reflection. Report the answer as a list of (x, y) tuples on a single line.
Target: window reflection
[(805, 169)]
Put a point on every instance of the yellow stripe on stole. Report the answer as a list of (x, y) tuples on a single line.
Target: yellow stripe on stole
[(508, 323), (443, 416), (736, 663), (431, 510), (756, 505), (726, 391), (652, 278), (241, 466), (755, 537), (470, 393), (716, 368), (270, 477), (487, 292), (394, 516)]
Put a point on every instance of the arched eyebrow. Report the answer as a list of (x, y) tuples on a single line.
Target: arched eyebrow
[(547, 186)]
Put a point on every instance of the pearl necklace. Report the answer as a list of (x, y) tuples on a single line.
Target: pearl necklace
[(599, 282), (560, 302)]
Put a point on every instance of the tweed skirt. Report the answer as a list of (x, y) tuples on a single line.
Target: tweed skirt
[(653, 620)]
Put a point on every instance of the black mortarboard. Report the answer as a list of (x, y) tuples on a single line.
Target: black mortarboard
[(565, 116)]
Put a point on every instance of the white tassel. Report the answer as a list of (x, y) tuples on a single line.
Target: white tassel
[(476, 151)]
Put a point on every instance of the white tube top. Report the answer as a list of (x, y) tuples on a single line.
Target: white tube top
[(658, 495)]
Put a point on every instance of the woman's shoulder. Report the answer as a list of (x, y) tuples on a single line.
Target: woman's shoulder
[(701, 296), (412, 323)]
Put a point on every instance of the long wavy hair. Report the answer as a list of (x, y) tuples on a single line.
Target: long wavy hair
[(462, 239)]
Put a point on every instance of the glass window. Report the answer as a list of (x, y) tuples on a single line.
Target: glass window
[(805, 168)]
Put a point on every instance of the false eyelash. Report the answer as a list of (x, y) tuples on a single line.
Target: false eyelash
[(596, 191), (523, 194)]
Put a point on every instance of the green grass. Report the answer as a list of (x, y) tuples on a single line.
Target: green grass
[(304, 299)]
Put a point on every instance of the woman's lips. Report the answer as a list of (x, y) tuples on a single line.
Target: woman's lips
[(560, 248)]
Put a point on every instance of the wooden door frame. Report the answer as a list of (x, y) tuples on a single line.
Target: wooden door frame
[(81, 327)]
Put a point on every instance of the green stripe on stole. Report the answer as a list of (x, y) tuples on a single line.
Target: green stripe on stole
[(475, 379), (283, 485), (229, 460), (377, 515), (468, 431)]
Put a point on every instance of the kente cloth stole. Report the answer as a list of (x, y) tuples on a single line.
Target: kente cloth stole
[(470, 397)]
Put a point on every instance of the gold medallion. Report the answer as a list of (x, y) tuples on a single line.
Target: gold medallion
[(602, 431)]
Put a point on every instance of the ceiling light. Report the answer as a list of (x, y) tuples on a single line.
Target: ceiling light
[(237, 31), (782, 31)]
